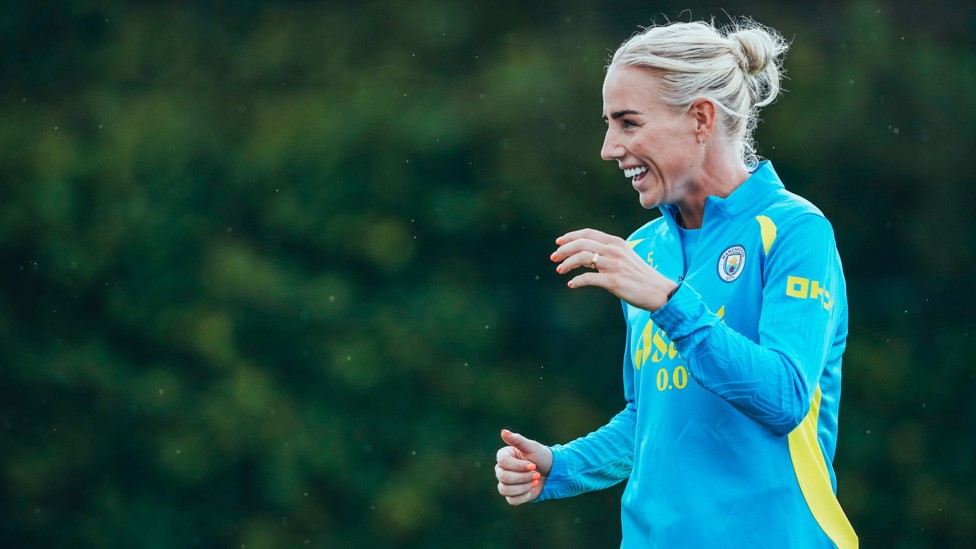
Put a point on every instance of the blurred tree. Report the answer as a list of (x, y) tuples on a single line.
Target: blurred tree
[(275, 273)]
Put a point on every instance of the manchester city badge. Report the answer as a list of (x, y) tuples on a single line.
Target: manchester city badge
[(731, 263)]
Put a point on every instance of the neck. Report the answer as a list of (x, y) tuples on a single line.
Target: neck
[(720, 174)]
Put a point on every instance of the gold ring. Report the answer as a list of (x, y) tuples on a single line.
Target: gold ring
[(596, 257)]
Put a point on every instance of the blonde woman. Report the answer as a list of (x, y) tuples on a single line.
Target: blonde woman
[(736, 313)]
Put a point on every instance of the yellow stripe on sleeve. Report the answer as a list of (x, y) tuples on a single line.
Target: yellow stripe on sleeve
[(768, 231), (814, 480)]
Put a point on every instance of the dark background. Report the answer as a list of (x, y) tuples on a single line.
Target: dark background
[(274, 274)]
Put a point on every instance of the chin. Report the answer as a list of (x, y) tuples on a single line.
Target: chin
[(649, 202)]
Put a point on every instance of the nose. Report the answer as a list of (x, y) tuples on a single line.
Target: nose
[(612, 149)]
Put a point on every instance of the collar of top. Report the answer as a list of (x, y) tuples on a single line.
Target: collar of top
[(749, 197)]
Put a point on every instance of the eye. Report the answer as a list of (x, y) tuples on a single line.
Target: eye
[(628, 124)]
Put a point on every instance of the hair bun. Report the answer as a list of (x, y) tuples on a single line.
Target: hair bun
[(755, 49)]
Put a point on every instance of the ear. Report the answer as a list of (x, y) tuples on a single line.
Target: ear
[(703, 113)]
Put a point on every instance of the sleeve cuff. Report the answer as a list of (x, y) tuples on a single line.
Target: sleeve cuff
[(556, 482), (684, 314)]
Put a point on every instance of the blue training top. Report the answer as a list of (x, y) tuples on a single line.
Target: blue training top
[(732, 387)]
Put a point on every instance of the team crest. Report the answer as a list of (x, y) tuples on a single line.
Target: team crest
[(731, 263)]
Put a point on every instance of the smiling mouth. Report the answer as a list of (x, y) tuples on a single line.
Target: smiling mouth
[(636, 174)]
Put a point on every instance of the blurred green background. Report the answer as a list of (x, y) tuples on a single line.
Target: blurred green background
[(274, 274)]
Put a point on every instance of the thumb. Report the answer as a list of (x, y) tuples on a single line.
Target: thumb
[(522, 444)]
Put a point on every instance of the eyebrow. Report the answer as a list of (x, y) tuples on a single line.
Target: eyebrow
[(618, 114)]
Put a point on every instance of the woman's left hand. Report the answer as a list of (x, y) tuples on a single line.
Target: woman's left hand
[(617, 268)]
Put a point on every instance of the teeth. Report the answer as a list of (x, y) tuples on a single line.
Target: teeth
[(631, 172)]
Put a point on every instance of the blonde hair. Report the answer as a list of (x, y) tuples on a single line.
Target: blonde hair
[(738, 68)]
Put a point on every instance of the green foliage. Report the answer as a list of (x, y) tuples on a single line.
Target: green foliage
[(275, 274)]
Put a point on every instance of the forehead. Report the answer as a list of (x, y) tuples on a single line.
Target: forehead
[(631, 88)]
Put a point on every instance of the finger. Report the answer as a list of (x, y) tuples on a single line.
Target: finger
[(520, 443), (515, 477), (515, 490), (588, 279), (503, 452), (510, 462), (508, 476), (591, 234), (524, 498), (582, 259), (577, 246)]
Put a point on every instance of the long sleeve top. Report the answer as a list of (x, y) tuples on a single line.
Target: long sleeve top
[(732, 388)]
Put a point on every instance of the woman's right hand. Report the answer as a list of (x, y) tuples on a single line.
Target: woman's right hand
[(522, 468)]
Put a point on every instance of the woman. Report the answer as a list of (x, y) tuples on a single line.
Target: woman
[(736, 314)]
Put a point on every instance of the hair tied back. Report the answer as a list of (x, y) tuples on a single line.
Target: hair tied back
[(738, 67), (754, 50)]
